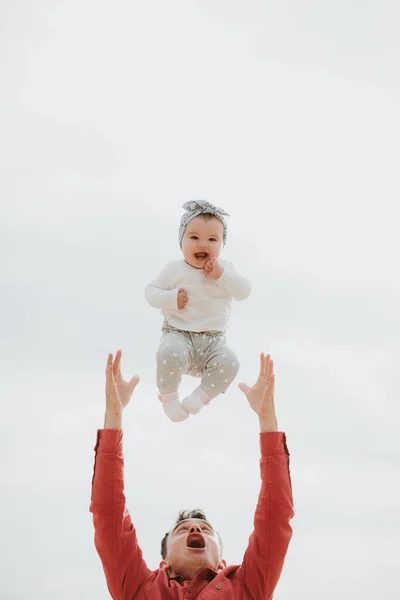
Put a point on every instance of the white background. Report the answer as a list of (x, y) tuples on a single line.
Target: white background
[(113, 114)]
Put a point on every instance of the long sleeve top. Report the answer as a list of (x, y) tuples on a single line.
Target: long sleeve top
[(127, 574), (209, 301)]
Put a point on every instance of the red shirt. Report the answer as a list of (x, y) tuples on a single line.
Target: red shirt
[(129, 578)]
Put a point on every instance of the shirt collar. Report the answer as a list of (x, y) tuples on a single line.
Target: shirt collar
[(204, 574)]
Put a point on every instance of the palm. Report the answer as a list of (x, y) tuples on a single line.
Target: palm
[(261, 395)]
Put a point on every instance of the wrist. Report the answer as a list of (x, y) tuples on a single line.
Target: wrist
[(112, 421), (268, 423), (220, 273)]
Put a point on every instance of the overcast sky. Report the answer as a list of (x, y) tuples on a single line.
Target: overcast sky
[(286, 114)]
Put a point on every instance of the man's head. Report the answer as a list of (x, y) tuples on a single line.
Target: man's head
[(191, 545)]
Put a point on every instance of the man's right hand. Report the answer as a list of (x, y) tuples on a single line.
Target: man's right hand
[(182, 298), (118, 392)]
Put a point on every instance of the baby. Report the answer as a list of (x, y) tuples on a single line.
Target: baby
[(195, 296)]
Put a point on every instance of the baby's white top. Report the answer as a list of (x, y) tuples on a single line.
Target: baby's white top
[(209, 302)]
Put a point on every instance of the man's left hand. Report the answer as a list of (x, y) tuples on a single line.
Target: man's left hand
[(261, 395)]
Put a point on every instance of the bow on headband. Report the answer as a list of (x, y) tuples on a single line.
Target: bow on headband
[(194, 208)]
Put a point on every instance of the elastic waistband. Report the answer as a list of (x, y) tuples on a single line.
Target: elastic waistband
[(167, 327)]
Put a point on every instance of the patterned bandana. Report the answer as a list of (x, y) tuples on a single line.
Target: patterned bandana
[(194, 208)]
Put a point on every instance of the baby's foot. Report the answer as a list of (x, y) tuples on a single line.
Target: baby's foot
[(195, 401), (172, 407)]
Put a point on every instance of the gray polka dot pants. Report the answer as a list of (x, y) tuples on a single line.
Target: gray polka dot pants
[(204, 355)]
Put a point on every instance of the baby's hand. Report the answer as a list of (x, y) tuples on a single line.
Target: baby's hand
[(213, 269), (182, 298)]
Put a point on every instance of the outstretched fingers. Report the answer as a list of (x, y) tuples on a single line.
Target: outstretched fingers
[(270, 369), (271, 380), (244, 388), (262, 366), (117, 365), (109, 374), (133, 382), (266, 377), (109, 369), (113, 367), (265, 360)]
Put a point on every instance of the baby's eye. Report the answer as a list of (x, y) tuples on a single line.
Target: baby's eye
[(213, 240), (194, 237)]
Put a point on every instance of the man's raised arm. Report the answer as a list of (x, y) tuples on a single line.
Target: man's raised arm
[(263, 560), (115, 535)]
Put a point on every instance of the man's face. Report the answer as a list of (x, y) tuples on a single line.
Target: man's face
[(192, 546), (202, 240)]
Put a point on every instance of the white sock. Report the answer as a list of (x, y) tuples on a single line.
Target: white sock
[(195, 401), (172, 407)]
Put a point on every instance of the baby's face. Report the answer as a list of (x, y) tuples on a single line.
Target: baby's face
[(202, 240)]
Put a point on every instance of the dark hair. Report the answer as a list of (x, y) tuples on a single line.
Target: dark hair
[(196, 513)]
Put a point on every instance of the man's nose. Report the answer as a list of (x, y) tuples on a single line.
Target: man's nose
[(195, 529)]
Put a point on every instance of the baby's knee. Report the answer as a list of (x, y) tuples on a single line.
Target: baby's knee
[(225, 366), (220, 373), (230, 362)]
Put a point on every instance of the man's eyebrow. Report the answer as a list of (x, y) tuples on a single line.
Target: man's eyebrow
[(186, 520)]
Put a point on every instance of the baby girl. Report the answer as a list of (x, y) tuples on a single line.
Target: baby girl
[(195, 296)]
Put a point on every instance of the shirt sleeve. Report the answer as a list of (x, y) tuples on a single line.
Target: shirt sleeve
[(235, 285), (161, 292), (114, 534), (263, 560)]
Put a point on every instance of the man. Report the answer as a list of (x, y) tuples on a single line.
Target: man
[(192, 565)]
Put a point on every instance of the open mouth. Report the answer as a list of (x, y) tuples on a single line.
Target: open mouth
[(195, 540), (201, 255)]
